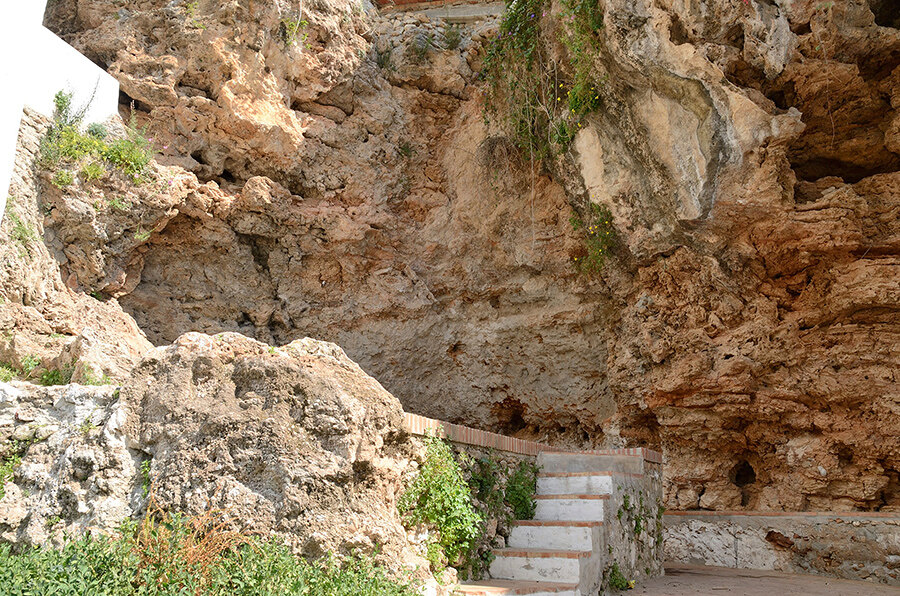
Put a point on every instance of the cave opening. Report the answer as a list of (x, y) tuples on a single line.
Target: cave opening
[(742, 474)]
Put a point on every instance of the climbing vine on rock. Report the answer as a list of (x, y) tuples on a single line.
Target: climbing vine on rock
[(540, 99)]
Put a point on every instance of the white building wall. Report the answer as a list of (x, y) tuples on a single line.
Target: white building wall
[(35, 64)]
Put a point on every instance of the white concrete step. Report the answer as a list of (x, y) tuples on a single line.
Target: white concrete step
[(533, 564), (552, 462), (570, 483), (563, 535), (570, 507), (510, 587)]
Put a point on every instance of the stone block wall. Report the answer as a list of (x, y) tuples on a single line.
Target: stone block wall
[(849, 545)]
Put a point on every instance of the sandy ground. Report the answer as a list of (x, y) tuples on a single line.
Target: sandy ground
[(681, 580)]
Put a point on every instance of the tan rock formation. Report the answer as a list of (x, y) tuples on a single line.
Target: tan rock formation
[(747, 325), (295, 441)]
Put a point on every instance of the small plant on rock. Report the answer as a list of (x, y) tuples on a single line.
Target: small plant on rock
[(599, 237), (439, 498), (452, 37), (520, 490), (63, 178)]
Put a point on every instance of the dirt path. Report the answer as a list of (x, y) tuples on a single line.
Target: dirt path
[(684, 580)]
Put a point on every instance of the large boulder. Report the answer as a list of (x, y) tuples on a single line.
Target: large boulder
[(295, 441)]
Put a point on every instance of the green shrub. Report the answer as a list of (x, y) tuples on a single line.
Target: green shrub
[(452, 37), (29, 363), (119, 204), (174, 555), (65, 144), (599, 237), (63, 178), (89, 377), (56, 377), (21, 233), (93, 170), (440, 499), (7, 373), (290, 29), (520, 490), (540, 101), (97, 130), (615, 579), (13, 457)]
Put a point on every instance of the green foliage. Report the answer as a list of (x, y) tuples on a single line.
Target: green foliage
[(13, 451), (29, 363), (190, 9), (615, 579), (452, 36), (290, 29), (420, 46), (119, 204), (145, 478), (179, 557), (20, 232), (63, 178), (440, 499), (141, 234), (56, 376), (97, 130), (599, 237), (521, 488), (7, 373), (65, 144), (92, 170), (406, 149), (383, 59), (540, 102), (89, 377)]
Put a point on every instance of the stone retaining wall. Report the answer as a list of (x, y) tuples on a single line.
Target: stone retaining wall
[(850, 545)]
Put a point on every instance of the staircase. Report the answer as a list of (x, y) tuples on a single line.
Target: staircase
[(578, 530)]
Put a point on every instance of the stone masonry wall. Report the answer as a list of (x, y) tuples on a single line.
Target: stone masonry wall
[(847, 545)]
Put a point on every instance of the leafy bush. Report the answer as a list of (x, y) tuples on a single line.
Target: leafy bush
[(440, 499), (520, 490), (7, 373), (91, 171), (599, 236), (168, 555), (65, 144), (29, 363), (540, 101), (63, 178), (56, 376), (452, 37), (615, 579), (291, 29), (97, 130)]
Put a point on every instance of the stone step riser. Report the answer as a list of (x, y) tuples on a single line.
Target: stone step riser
[(550, 569), (556, 537), (574, 485), (569, 509), (579, 462)]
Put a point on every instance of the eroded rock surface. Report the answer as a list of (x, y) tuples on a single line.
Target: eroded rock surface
[(747, 325), (295, 441)]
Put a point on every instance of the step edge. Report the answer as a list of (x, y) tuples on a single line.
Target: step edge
[(538, 523), (541, 553), (572, 497), (602, 474)]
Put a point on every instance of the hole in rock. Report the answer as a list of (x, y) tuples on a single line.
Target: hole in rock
[(887, 13), (510, 415), (126, 102), (743, 474)]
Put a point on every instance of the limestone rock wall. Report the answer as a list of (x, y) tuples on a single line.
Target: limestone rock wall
[(747, 325), (295, 441)]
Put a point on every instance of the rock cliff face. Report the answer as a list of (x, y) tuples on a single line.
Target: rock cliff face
[(295, 441), (334, 177)]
